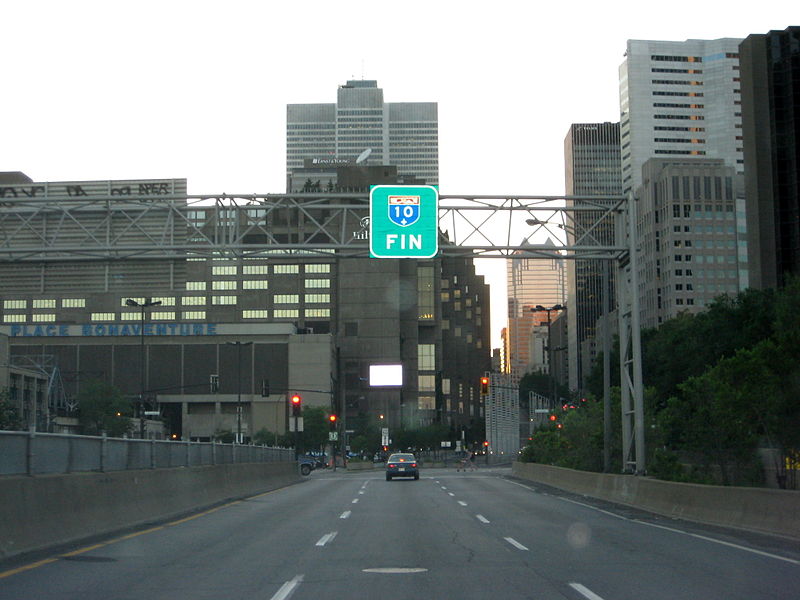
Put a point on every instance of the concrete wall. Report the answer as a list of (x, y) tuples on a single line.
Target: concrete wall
[(41, 512), (755, 509)]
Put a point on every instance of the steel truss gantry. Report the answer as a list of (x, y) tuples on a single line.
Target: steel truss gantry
[(106, 228)]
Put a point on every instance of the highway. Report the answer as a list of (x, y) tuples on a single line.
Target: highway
[(447, 536)]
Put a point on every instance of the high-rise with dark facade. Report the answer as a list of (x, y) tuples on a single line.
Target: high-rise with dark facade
[(770, 80), (592, 161)]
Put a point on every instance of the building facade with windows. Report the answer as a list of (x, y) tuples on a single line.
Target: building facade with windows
[(361, 126), (770, 66), (592, 160)]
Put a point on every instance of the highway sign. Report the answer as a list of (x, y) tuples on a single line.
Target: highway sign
[(403, 221)]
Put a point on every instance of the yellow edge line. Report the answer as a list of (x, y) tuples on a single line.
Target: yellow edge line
[(46, 561)]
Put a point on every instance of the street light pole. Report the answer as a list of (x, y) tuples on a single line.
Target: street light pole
[(239, 345), (148, 302), (540, 308)]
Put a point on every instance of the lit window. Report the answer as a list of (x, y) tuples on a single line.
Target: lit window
[(318, 313), (318, 283), (193, 300), (43, 318), (14, 318), (318, 298), (426, 403), (194, 315), (283, 269), (223, 300), (223, 270), (130, 316), (195, 285), (427, 383), (255, 269), (103, 316), (255, 285), (44, 304), (123, 301), (426, 357), (255, 314), (287, 298), (223, 285), (286, 314), (15, 304), (162, 316), (325, 268), (165, 301)]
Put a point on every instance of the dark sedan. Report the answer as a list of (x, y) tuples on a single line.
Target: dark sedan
[(402, 465)]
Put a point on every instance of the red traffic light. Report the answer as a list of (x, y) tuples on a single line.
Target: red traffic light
[(296, 402), (332, 418), (296, 399), (553, 417), (484, 385), (485, 444)]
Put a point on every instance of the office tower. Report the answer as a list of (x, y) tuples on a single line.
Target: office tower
[(770, 67), (687, 229), (530, 282), (592, 160), (679, 100), (361, 127)]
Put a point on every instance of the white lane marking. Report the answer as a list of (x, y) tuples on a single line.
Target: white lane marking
[(515, 543), (450, 494), (584, 591), (345, 514), (444, 488), (482, 519), (355, 501), (288, 588), (328, 537), (672, 529), (360, 491), (393, 570), (462, 503)]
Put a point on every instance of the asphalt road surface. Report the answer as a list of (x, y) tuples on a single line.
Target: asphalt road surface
[(447, 536)]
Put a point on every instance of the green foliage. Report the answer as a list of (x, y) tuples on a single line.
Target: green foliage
[(224, 436), (315, 428), (9, 416), (264, 437), (103, 409)]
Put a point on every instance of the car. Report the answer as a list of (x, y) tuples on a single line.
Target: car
[(402, 465), (307, 464)]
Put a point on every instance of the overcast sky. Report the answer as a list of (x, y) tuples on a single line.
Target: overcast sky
[(169, 89)]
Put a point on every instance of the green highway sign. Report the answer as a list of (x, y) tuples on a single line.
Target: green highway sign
[(403, 221)]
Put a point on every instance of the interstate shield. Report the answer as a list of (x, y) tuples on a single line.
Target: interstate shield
[(404, 210)]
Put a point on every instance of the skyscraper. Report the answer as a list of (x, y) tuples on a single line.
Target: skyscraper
[(592, 157), (771, 128), (361, 126), (677, 100), (529, 282)]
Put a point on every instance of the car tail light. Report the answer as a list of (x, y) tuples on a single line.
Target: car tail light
[(413, 464)]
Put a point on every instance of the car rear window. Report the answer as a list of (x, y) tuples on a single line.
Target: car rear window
[(402, 458)]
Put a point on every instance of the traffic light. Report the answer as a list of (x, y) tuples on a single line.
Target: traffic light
[(297, 404), (332, 422), (484, 385), (486, 444), (553, 418)]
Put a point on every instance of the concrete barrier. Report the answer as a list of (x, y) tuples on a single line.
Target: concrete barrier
[(46, 511), (763, 510)]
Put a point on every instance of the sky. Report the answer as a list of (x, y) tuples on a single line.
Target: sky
[(97, 90)]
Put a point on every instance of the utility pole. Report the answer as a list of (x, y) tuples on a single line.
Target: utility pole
[(147, 303)]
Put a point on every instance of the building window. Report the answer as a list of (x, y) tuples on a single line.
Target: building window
[(255, 284), (427, 383), (286, 314), (165, 301), (255, 314), (425, 293), (426, 403), (193, 300), (318, 283), (318, 313), (318, 298), (15, 304), (255, 269), (43, 318), (223, 270), (286, 298), (223, 300), (130, 316), (44, 304), (162, 316), (285, 269), (14, 318), (223, 285), (426, 357), (195, 285), (103, 316), (323, 268), (194, 315)]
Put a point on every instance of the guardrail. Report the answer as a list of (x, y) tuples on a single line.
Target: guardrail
[(33, 453)]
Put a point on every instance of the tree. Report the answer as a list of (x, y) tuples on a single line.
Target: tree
[(9, 415), (103, 409), (265, 437)]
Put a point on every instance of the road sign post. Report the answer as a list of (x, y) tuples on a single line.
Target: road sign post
[(403, 221)]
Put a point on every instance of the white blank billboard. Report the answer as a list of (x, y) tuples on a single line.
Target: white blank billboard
[(386, 375)]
